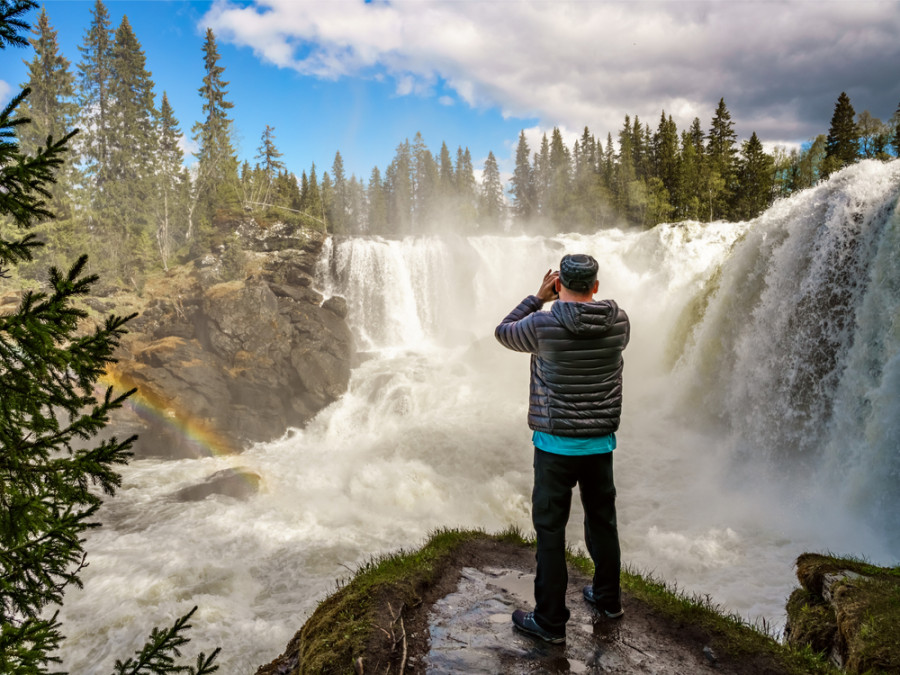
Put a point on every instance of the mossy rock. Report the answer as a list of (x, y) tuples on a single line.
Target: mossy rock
[(865, 602), (812, 622)]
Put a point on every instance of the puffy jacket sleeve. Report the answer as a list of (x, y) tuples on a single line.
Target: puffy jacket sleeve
[(517, 330)]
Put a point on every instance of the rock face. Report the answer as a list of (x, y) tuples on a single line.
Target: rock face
[(222, 363)]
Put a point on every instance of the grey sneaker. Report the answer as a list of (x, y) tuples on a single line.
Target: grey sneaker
[(610, 611), (524, 621)]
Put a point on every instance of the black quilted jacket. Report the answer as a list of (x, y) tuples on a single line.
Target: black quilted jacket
[(576, 363)]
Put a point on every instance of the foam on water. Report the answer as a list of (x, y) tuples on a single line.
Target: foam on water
[(432, 430)]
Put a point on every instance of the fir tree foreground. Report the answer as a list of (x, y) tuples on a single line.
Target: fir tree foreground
[(51, 469)]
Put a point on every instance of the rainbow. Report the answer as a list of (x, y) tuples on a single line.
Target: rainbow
[(154, 408)]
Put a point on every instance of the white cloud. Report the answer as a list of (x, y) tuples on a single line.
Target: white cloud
[(188, 146), (779, 66), (5, 92), (446, 100)]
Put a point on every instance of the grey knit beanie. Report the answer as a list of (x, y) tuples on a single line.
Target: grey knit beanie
[(578, 272)]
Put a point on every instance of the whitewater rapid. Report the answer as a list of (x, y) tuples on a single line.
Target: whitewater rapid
[(760, 421)]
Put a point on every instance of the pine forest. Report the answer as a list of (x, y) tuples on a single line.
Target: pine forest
[(128, 198)]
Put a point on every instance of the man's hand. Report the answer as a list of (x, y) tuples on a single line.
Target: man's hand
[(548, 287)]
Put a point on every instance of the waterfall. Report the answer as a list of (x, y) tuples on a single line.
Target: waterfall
[(797, 350), (761, 419)]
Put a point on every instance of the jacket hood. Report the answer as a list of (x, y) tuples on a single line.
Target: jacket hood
[(586, 318)]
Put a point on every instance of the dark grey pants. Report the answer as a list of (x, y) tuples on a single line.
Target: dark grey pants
[(554, 478)]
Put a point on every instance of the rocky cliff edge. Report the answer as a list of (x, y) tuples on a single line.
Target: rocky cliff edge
[(221, 363)]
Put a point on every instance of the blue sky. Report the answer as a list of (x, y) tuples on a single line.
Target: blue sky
[(361, 77)]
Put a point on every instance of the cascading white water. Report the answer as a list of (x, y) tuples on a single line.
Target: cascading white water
[(777, 329), (797, 351)]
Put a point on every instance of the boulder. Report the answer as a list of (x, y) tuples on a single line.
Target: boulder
[(239, 483), (337, 305)]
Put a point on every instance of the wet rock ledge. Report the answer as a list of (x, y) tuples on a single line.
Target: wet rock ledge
[(445, 608), (225, 354)]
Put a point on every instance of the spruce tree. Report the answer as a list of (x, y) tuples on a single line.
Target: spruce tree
[(523, 193), (51, 108), (327, 195), (340, 217), (586, 158), (294, 191), (609, 162), (425, 177), (685, 197), (491, 204), (842, 143), (50, 411), (665, 152), (94, 84), (125, 202), (313, 205), (696, 136), (50, 105), (448, 179), (584, 180), (172, 183), (377, 204), (399, 188), (466, 196), (640, 150), (216, 179), (560, 179), (357, 212), (755, 179), (721, 153), (624, 171), (541, 173), (269, 161)]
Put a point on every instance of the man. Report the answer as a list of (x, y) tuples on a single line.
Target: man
[(574, 408)]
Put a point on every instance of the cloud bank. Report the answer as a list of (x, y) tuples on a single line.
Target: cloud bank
[(780, 65)]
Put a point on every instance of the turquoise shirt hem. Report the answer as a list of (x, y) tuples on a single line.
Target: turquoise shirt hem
[(567, 445)]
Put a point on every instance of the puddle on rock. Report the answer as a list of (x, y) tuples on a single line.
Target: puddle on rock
[(471, 632)]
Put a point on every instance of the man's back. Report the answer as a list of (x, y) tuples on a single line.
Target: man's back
[(576, 367)]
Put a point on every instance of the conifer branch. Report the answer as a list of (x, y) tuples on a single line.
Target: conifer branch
[(156, 656)]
